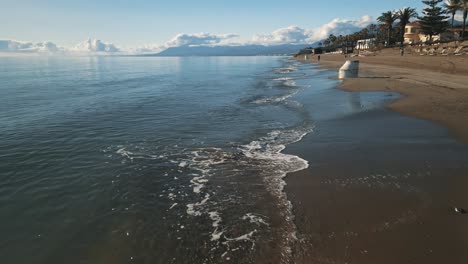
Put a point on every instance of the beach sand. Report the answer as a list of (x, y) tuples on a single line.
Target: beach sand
[(382, 184), (435, 87)]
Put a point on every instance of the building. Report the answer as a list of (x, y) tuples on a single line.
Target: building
[(348, 47), (308, 51), (365, 44), (413, 34)]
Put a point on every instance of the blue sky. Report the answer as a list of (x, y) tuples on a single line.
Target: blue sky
[(140, 22)]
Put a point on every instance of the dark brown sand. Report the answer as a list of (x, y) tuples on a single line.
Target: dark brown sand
[(361, 224), (379, 200)]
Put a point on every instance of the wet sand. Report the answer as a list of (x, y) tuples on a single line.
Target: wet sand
[(435, 87), (382, 184)]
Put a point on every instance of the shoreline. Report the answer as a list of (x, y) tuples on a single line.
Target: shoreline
[(433, 88), (383, 181)]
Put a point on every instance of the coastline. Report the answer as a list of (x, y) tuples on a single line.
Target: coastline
[(382, 183), (433, 87)]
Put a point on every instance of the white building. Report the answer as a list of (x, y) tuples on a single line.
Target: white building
[(364, 44)]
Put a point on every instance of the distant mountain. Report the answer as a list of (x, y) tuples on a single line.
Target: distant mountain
[(246, 50)]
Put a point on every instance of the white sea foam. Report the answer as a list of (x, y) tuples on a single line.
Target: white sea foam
[(131, 155), (216, 218), (286, 69), (290, 83), (267, 150), (283, 79), (198, 183), (255, 219), (287, 81), (192, 207), (245, 237), (274, 99), (125, 153), (270, 147)]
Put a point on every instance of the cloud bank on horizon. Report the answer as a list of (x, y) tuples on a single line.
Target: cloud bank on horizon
[(287, 35), (297, 35), (28, 47), (95, 46), (88, 46)]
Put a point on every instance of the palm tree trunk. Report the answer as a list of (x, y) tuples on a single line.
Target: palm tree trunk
[(402, 34), (465, 14), (463, 33), (453, 18), (389, 35)]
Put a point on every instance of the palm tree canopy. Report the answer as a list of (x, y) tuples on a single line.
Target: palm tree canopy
[(464, 7), (452, 6), (387, 18), (405, 14)]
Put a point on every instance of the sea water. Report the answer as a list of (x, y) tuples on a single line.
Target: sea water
[(148, 160)]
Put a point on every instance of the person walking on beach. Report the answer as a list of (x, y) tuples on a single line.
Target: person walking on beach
[(318, 58), (402, 51)]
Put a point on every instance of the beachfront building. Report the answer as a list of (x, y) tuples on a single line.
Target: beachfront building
[(348, 47), (365, 44), (413, 34), (309, 51)]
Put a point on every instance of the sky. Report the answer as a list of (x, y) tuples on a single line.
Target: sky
[(144, 23)]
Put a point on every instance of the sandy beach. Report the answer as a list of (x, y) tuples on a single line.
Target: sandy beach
[(435, 87), (382, 184)]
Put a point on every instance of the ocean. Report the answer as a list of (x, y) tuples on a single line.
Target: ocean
[(183, 160), (149, 160)]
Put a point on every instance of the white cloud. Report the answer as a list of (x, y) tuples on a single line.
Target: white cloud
[(95, 45), (458, 16), (198, 39), (297, 35), (339, 27), (85, 47), (291, 34), (146, 49), (27, 47), (179, 40)]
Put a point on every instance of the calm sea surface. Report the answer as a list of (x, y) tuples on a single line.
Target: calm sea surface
[(148, 160)]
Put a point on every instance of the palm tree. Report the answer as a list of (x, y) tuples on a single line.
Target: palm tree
[(404, 15), (452, 7), (332, 39), (464, 7), (372, 28), (387, 18)]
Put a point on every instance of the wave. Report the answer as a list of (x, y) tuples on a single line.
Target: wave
[(204, 198), (286, 81), (274, 99), (285, 70), (265, 155)]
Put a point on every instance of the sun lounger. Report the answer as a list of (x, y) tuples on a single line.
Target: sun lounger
[(424, 52), (444, 51), (459, 51), (432, 52)]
